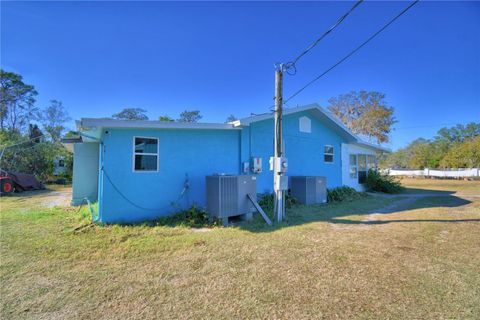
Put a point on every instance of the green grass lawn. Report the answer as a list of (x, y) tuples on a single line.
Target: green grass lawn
[(331, 261)]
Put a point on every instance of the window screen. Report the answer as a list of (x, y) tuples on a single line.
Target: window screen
[(328, 154), (353, 166), (362, 168), (145, 154), (362, 162), (371, 162)]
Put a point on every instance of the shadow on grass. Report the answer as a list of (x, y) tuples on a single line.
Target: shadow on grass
[(408, 190), (334, 213), (357, 211)]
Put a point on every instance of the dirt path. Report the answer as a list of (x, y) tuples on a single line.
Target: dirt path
[(408, 200), (45, 198), (423, 195), (401, 204), (57, 198)]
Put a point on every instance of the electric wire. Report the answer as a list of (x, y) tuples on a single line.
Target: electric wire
[(427, 126), (292, 64), (353, 51), (25, 141)]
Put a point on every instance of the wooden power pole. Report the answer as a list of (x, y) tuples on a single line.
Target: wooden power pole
[(277, 163)]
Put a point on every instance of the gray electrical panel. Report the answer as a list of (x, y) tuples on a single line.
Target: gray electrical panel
[(227, 196), (309, 189)]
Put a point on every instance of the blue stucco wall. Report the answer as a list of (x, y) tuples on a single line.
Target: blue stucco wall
[(303, 150), (197, 153)]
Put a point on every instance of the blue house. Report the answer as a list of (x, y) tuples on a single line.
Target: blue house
[(141, 170)]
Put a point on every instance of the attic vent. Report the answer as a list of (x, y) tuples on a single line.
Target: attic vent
[(305, 124)]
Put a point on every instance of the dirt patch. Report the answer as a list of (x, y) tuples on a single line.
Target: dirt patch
[(397, 205), (57, 198), (42, 198)]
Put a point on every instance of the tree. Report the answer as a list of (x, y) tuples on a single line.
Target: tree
[(53, 119), (453, 147), (459, 133), (364, 113), (231, 118), (463, 155), (71, 134), (165, 118), (34, 133), (31, 156), (131, 114), (190, 116), (420, 154), (17, 102)]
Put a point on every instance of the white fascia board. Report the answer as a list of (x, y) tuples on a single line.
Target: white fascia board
[(310, 107), (246, 121), (373, 146), (87, 124)]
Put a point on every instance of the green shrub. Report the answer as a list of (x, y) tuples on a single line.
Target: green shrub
[(267, 201), (193, 217), (382, 183), (344, 193)]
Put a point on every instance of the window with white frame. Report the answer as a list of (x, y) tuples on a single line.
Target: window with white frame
[(353, 166), (145, 154), (328, 154)]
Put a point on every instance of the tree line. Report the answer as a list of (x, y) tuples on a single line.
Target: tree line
[(454, 147), (185, 116)]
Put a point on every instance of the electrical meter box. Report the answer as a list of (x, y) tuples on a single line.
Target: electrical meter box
[(281, 183), (246, 167), (256, 165), (278, 164)]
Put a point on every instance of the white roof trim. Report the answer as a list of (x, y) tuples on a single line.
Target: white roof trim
[(93, 123), (88, 124), (314, 106), (373, 146)]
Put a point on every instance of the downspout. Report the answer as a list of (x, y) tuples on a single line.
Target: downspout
[(250, 141), (100, 181), (240, 166)]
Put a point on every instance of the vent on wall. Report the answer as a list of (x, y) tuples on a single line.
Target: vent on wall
[(305, 124)]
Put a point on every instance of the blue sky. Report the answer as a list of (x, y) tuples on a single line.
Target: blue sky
[(218, 57)]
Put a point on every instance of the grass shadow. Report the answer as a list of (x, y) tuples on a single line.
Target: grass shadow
[(409, 190), (357, 211)]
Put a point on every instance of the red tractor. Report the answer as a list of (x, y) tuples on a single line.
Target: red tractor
[(6, 185)]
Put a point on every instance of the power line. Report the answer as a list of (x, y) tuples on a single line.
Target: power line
[(292, 63), (353, 51), (43, 135), (427, 126)]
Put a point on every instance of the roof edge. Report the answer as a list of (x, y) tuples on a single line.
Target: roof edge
[(89, 123)]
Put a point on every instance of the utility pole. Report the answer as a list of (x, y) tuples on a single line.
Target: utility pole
[(278, 163)]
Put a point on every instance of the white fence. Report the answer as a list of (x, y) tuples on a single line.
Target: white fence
[(451, 173)]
